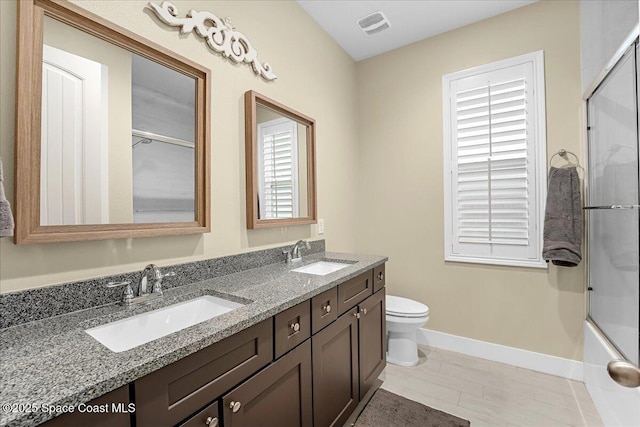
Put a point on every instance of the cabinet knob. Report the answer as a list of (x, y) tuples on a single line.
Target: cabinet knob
[(295, 327), (235, 406), (327, 308), (381, 275), (356, 315), (364, 311), (211, 422)]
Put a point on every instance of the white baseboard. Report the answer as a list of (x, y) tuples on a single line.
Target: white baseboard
[(558, 366)]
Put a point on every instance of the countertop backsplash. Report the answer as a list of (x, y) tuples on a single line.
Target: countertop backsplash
[(41, 303)]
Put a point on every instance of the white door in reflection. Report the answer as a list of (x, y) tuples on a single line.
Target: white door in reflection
[(73, 175)]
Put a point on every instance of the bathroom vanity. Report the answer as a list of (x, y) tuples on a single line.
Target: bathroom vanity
[(303, 350)]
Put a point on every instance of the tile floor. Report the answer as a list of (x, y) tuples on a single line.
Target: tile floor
[(491, 394)]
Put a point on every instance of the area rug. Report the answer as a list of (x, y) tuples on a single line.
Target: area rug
[(390, 410)]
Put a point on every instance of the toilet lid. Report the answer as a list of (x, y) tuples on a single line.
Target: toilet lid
[(405, 307)]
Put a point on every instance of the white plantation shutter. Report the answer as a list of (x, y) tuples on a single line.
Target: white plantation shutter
[(277, 155), (495, 178)]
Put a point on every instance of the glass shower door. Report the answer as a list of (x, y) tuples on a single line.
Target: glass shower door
[(613, 215)]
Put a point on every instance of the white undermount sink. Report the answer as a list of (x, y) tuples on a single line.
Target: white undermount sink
[(321, 268), (131, 332)]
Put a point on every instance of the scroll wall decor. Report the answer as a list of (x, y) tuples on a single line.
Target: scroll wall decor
[(220, 35)]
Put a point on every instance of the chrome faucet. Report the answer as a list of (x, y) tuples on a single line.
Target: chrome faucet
[(294, 255), (145, 292)]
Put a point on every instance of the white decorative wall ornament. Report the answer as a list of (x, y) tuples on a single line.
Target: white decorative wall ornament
[(220, 35)]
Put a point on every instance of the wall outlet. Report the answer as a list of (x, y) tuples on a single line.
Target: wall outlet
[(321, 226)]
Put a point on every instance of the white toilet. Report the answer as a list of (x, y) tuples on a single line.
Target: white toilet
[(404, 317)]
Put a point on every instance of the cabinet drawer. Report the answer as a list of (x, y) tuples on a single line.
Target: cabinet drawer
[(278, 396), (324, 309), (171, 394), (117, 416), (209, 416), (355, 290), (292, 327), (378, 278)]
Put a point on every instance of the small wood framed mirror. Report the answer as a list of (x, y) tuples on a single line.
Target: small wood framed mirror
[(280, 154), (112, 131)]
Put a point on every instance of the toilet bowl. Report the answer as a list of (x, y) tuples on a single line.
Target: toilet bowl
[(404, 316)]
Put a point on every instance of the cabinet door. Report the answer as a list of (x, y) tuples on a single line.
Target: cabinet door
[(335, 371), (280, 395), (171, 394), (372, 338)]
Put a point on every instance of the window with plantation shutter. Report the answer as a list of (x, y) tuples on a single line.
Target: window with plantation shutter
[(277, 169), (494, 162)]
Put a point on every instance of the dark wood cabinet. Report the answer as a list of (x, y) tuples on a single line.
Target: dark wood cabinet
[(379, 279), (354, 290), (279, 395), (291, 327), (324, 309), (309, 365), (335, 371), (111, 410), (372, 340), (171, 394), (348, 356)]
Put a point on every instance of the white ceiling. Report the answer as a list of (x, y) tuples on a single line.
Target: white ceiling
[(411, 20)]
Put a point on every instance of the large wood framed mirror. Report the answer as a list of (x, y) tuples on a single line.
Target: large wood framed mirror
[(280, 164), (112, 131)]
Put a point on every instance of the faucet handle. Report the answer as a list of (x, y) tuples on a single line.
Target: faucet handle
[(157, 285), (127, 295), (116, 284), (287, 254)]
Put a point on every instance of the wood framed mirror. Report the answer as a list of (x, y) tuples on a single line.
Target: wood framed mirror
[(112, 131), (280, 154)]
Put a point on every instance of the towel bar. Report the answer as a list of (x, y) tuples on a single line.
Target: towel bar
[(613, 207)]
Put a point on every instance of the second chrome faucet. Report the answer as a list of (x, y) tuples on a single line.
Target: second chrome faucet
[(294, 255), (149, 286)]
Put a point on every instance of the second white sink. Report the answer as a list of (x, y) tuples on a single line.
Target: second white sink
[(321, 268), (131, 332)]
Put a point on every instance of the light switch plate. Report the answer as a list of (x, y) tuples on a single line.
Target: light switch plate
[(321, 226)]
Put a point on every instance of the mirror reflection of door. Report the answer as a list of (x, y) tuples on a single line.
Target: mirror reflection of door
[(74, 184), (118, 134)]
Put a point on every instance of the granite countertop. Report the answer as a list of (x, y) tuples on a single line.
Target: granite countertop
[(55, 362)]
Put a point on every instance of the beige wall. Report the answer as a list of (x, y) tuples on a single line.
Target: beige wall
[(118, 63), (401, 183), (314, 75)]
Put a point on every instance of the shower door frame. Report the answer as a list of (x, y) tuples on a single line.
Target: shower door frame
[(615, 404), (631, 42)]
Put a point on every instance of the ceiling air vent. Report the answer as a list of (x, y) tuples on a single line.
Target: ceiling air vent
[(374, 23)]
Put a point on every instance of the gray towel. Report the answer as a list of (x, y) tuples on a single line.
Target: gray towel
[(563, 218), (6, 217)]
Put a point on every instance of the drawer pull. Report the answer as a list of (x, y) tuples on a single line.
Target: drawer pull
[(327, 308), (381, 275), (295, 327), (364, 311), (211, 422), (235, 406)]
